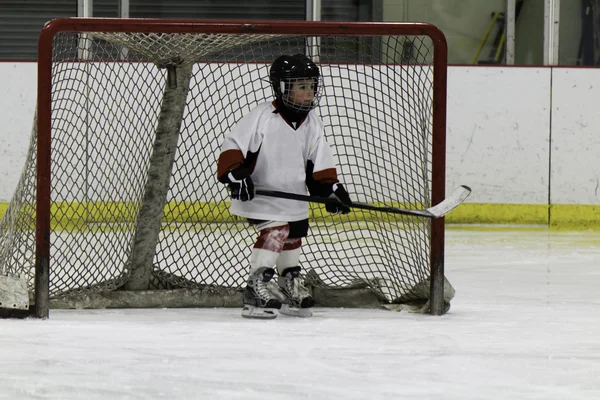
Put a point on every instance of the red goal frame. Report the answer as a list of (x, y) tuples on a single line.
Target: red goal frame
[(43, 178)]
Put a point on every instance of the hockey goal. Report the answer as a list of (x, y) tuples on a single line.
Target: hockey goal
[(118, 205)]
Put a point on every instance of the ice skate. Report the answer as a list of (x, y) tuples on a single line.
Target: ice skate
[(298, 300), (259, 301)]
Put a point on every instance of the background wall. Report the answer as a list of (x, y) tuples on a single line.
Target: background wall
[(570, 31), (517, 136), (464, 23)]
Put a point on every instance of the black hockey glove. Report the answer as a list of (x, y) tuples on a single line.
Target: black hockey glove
[(341, 200), (240, 184)]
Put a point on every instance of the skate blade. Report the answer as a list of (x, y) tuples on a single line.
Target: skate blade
[(295, 312), (259, 313)]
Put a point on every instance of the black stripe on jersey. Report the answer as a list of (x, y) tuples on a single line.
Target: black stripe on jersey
[(250, 161)]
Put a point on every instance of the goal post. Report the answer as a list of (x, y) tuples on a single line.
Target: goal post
[(130, 117)]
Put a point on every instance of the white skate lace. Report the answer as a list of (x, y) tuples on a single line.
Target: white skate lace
[(262, 291), (292, 286)]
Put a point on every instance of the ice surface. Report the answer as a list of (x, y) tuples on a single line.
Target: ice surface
[(525, 324)]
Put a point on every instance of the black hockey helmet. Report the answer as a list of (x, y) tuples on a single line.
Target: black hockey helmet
[(285, 70)]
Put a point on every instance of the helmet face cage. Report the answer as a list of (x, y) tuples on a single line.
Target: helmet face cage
[(291, 72), (287, 87)]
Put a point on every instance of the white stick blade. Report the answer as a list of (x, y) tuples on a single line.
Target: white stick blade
[(451, 202)]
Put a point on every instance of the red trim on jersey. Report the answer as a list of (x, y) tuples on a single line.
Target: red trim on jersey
[(326, 176), (228, 160)]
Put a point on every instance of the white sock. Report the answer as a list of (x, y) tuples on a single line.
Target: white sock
[(262, 258), (289, 258)]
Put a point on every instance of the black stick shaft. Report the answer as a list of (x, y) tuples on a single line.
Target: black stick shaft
[(355, 204)]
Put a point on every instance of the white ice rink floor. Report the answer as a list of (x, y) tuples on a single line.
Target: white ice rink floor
[(525, 324)]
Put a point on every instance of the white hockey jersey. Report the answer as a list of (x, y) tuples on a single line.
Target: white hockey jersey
[(281, 154)]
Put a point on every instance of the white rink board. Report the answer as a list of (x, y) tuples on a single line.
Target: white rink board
[(18, 86), (575, 136), (498, 129)]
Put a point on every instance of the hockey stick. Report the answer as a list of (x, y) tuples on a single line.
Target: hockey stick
[(437, 211)]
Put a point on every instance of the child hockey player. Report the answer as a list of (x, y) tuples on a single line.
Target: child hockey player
[(280, 145)]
